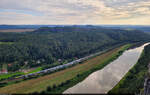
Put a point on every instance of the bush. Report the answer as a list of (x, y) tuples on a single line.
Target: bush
[(54, 86), (43, 92), (78, 75), (34, 93), (49, 88)]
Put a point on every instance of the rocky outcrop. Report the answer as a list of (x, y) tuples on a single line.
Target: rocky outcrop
[(147, 86), (147, 83)]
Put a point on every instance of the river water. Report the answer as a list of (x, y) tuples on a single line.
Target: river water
[(105, 79)]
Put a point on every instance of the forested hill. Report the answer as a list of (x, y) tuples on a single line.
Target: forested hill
[(81, 29), (50, 44)]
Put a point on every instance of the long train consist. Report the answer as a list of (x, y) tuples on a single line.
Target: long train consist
[(60, 66), (49, 70)]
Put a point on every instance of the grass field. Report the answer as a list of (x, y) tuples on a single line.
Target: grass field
[(5, 76), (41, 83), (35, 70), (8, 43), (11, 74)]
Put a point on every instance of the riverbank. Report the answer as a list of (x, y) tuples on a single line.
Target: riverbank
[(65, 77), (133, 81)]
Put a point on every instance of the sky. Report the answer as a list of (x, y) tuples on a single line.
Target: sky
[(61, 12)]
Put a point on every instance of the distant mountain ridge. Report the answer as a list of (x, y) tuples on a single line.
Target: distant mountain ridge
[(144, 28), (24, 26)]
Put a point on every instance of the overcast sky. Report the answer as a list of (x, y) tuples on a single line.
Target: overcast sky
[(75, 12)]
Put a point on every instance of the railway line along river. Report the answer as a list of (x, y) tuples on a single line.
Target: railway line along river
[(105, 79)]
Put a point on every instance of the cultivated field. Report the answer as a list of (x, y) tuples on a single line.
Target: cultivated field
[(41, 83), (16, 30)]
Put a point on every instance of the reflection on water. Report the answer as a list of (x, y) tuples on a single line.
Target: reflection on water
[(104, 80)]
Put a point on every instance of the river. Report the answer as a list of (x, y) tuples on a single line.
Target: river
[(105, 79)]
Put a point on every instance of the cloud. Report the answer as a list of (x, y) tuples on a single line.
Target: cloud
[(74, 11)]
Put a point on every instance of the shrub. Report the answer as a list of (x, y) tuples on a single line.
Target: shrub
[(49, 88)]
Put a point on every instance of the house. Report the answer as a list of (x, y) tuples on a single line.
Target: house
[(38, 62), (59, 60), (76, 57), (26, 62), (9, 65)]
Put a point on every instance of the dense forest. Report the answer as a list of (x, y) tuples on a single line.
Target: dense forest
[(46, 45)]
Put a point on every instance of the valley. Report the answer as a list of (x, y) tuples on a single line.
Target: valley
[(58, 60)]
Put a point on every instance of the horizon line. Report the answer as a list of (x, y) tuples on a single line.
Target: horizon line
[(81, 24)]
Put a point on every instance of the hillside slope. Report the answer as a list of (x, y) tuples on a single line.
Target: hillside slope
[(47, 45)]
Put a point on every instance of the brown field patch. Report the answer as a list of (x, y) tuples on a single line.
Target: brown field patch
[(16, 30)]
